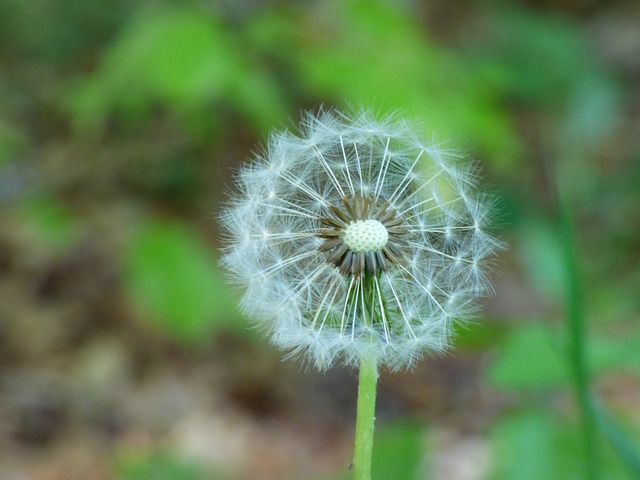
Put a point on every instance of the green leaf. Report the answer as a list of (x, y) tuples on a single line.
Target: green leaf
[(181, 58), (537, 445), (529, 359), (533, 356), (528, 447), (158, 466), (542, 55), (377, 53), (620, 354), (398, 450), (171, 275)]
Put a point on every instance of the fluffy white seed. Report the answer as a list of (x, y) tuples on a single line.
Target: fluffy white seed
[(430, 232)]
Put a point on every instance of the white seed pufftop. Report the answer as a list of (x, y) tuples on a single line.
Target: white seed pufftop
[(357, 237)]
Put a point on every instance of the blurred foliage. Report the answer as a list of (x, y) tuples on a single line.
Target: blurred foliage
[(399, 450), (538, 57), (538, 445), (159, 466), (184, 60), (11, 141), (540, 249), (372, 52), (188, 62), (532, 356), (59, 33), (528, 447), (528, 358), (49, 221), (172, 276)]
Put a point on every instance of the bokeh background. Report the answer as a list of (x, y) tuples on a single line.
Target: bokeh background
[(122, 355)]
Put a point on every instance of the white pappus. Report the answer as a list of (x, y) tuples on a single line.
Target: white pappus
[(356, 237)]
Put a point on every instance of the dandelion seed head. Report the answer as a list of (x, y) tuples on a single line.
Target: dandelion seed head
[(355, 236)]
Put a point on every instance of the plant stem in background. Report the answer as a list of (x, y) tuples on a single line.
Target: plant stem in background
[(365, 418), (576, 327)]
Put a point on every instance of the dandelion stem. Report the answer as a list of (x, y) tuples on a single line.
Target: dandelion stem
[(365, 417)]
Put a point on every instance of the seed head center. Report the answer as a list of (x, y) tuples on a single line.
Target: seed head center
[(365, 236)]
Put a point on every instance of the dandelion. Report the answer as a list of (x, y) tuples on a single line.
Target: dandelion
[(357, 241), (356, 237)]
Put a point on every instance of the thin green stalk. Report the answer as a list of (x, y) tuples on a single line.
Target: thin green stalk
[(365, 418), (594, 415), (575, 320)]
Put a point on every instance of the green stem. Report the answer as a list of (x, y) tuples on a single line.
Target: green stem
[(365, 418), (578, 354)]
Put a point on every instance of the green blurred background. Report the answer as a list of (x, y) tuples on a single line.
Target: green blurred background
[(122, 355)]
